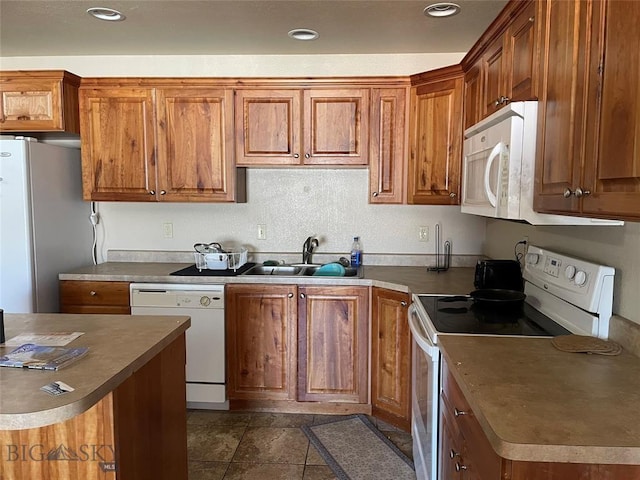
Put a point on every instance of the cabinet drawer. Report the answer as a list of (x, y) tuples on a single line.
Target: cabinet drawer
[(84, 293)]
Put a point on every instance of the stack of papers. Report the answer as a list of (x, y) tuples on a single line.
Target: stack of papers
[(42, 357)]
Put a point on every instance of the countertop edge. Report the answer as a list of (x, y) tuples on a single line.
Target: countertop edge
[(22, 421)]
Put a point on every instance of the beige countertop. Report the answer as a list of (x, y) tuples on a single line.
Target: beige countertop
[(536, 403), (458, 280), (118, 346)]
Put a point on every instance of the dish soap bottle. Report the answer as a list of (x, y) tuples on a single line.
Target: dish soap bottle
[(356, 252)]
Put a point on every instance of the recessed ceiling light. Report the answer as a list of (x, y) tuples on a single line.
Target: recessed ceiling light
[(108, 14), (444, 9), (303, 34)]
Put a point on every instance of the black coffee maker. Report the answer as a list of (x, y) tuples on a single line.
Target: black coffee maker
[(498, 274)]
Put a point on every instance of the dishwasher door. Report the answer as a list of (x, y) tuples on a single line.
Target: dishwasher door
[(205, 369)]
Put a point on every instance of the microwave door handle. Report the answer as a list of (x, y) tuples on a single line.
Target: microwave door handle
[(495, 153)]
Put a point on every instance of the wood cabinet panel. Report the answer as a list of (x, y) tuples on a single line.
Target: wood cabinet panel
[(522, 62), (436, 142), (473, 96), (79, 296), (39, 101), (493, 68), (118, 144), (261, 341), (391, 357), (388, 138), (333, 344)]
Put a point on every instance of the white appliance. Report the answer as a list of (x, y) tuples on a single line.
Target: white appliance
[(44, 223), (563, 295), (498, 168), (205, 370)]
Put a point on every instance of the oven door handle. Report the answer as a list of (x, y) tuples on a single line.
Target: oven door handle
[(419, 336)]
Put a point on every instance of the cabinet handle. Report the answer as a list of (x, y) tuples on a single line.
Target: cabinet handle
[(403, 303), (302, 295), (374, 194), (152, 192), (163, 192), (567, 193), (290, 295), (460, 466), (580, 192), (453, 454), (307, 155), (458, 413), (296, 155), (93, 293), (532, 19), (452, 195)]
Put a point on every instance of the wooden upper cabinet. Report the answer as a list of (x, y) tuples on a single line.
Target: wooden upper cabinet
[(493, 77), (612, 162), (39, 101), (391, 357), (473, 96), (387, 146), (195, 145), (146, 143), (302, 126), (118, 144), (522, 65), (333, 344), (436, 138)]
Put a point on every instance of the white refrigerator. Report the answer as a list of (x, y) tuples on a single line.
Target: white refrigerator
[(44, 223)]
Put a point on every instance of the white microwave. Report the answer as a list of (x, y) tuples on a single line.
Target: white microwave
[(498, 168)]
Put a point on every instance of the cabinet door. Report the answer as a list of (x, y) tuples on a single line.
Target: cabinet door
[(336, 127), (494, 85), (268, 127), (39, 101), (387, 145), (118, 144), (612, 166), (522, 61), (391, 357), (436, 143), (450, 446), (333, 344), (195, 145), (261, 342), (560, 143), (473, 98)]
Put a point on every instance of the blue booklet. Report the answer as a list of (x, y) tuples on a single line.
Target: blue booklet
[(41, 357)]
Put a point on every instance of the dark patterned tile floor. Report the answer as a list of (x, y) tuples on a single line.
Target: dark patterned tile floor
[(262, 446)]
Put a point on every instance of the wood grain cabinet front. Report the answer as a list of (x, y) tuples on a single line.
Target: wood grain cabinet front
[(391, 357), (79, 296), (39, 101), (145, 143), (302, 126)]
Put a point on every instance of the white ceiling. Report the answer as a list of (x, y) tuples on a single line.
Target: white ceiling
[(219, 27)]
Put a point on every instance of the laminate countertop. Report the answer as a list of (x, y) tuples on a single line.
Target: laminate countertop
[(536, 403), (118, 346), (455, 281)]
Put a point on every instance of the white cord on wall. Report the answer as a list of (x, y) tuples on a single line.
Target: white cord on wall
[(94, 218)]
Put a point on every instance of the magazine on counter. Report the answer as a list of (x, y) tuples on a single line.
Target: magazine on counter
[(42, 357)]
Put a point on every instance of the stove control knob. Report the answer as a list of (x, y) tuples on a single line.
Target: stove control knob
[(205, 301), (570, 271), (532, 258), (581, 278)]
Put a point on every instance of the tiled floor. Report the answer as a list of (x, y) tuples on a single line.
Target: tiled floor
[(262, 446)]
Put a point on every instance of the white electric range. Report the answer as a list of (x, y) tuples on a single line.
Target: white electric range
[(564, 295)]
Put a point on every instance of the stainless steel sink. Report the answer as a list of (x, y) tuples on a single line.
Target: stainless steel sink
[(285, 270), (348, 272)]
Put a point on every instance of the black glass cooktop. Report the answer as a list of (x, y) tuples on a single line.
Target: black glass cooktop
[(461, 314)]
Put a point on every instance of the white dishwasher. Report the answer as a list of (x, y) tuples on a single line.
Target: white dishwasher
[(205, 338)]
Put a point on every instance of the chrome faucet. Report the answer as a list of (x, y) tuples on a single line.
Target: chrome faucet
[(307, 249)]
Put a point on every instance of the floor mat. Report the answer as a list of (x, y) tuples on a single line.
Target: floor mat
[(356, 450)]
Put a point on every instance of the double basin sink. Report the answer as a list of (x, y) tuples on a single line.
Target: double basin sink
[(300, 270)]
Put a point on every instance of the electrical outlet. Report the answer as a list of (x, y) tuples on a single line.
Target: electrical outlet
[(423, 234), (262, 231), (167, 230)]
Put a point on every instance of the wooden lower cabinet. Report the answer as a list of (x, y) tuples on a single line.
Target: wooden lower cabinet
[(466, 454), (79, 296), (391, 357), (296, 344)]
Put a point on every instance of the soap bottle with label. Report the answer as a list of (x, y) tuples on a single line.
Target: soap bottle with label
[(356, 252)]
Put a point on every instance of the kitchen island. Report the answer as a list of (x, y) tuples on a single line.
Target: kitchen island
[(571, 415), (126, 417)]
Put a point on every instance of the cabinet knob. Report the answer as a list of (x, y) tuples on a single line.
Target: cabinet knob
[(460, 466), (453, 454), (452, 195), (374, 194), (307, 155), (290, 295), (458, 413), (403, 303), (93, 293), (302, 295), (532, 19), (163, 192), (580, 192), (567, 193), (296, 155), (152, 192)]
